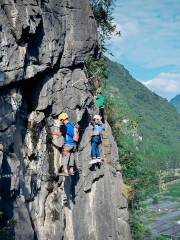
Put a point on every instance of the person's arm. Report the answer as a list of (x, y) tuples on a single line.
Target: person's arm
[(95, 97), (102, 128), (55, 133)]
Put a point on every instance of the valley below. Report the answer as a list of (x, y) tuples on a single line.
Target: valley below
[(161, 214)]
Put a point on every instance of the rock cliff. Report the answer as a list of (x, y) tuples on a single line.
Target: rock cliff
[(44, 44)]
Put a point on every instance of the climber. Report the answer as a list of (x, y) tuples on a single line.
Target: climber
[(100, 101), (96, 139), (71, 137), (97, 83)]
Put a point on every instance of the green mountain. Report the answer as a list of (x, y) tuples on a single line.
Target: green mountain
[(176, 102), (157, 121)]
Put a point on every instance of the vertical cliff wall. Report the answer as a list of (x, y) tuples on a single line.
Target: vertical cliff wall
[(44, 44)]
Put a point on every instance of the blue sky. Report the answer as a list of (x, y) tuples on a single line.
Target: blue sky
[(150, 43)]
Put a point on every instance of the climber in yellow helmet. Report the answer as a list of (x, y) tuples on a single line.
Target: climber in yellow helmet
[(63, 117), (71, 136)]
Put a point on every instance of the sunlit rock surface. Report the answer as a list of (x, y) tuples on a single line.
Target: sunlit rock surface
[(43, 48)]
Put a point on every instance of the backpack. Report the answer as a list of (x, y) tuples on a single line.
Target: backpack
[(76, 134)]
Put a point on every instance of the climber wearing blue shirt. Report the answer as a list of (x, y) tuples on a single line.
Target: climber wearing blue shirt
[(68, 132), (96, 139)]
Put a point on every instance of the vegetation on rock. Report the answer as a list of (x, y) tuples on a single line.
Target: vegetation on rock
[(146, 127)]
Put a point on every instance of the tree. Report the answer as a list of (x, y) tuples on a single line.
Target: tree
[(102, 10)]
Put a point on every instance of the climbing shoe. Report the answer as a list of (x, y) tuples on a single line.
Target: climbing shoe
[(92, 162), (98, 160)]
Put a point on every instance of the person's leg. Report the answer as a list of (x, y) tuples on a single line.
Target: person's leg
[(98, 154), (57, 160), (98, 151), (65, 158), (93, 150), (93, 153), (72, 160)]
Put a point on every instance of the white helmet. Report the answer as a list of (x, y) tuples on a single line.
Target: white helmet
[(98, 117)]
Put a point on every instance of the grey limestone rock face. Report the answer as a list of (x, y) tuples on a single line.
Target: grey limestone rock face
[(44, 45)]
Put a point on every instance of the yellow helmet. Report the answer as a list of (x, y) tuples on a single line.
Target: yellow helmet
[(63, 116)]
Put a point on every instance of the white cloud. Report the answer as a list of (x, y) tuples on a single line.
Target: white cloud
[(133, 29), (165, 84), (117, 44), (150, 32), (129, 29)]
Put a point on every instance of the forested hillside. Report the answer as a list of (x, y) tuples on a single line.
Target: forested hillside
[(176, 102), (157, 121)]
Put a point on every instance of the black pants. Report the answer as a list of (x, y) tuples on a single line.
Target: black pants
[(101, 113)]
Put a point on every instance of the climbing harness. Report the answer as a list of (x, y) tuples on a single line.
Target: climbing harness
[(55, 133)]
